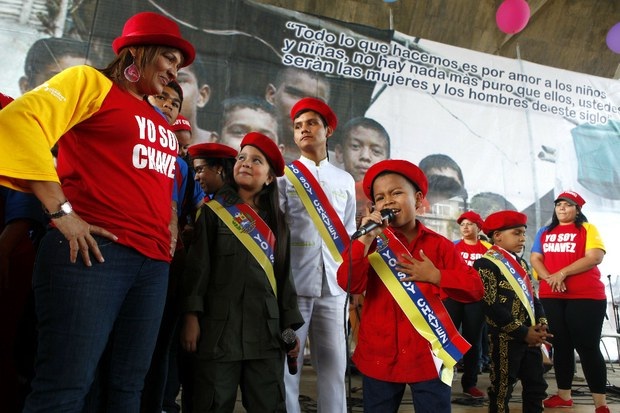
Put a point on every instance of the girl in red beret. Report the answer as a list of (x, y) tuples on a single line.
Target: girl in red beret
[(237, 294), (406, 336)]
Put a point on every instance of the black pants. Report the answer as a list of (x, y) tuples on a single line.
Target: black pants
[(470, 319), (577, 325), (512, 361)]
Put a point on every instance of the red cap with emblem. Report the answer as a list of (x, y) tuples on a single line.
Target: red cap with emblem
[(571, 197)]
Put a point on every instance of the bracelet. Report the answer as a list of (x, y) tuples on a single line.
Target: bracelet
[(562, 274), (174, 209)]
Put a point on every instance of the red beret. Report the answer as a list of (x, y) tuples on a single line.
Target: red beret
[(268, 147), (473, 217), (571, 197), (318, 106), (148, 28), (211, 150), (398, 166), (181, 124), (4, 100), (501, 220)]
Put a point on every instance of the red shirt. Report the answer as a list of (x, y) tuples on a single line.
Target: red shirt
[(471, 253), (561, 247), (389, 348)]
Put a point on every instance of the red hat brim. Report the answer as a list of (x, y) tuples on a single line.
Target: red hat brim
[(211, 150), (148, 28), (571, 197)]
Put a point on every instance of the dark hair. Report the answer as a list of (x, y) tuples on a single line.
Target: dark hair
[(440, 161), (439, 184), (177, 88), (288, 70), (48, 50), (366, 123), (199, 70), (227, 165), (243, 102), (268, 200), (488, 202), (579, 219)]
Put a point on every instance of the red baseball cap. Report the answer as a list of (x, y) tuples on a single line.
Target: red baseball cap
[(571, 197), (318, 106), (268, 147), (181, 124), (501, 220), (148, 28), (405, 168), (473, 217), (211, 150)]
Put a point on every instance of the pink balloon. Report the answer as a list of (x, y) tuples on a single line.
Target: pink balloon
[(512, 16), (613, 38)]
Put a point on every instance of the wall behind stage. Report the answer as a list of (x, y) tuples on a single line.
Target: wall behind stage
[(520, 133)]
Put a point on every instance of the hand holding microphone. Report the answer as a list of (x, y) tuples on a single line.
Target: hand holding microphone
[(290, 342), (387, 214)]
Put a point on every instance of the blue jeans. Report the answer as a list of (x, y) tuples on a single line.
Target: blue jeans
[(431, 396), (80, 311)]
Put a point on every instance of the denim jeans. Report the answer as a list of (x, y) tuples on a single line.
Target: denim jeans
[(431, 396), (82, 309)]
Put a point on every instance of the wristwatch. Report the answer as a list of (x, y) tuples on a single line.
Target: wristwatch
[(65, 209)]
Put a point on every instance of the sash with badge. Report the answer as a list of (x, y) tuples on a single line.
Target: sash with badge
[(251, 230), (426, 312), (321, 211), (517, 278)]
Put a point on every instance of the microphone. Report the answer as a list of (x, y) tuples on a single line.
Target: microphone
[(290, 341), (386, 214)]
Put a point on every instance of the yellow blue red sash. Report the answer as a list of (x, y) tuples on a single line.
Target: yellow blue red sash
[(325, 218), (517, 278), (426, 312), (252, 231)]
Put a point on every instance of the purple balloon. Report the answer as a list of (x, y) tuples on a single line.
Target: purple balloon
[(512, 16), (613, 38)]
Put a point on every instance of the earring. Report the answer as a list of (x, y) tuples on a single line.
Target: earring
[(132, 73)]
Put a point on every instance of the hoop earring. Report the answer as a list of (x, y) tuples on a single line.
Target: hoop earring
[(132, 73)]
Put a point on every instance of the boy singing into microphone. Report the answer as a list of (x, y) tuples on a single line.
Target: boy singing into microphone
[(406, 336)]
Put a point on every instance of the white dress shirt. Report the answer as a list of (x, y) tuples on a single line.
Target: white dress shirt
[(311, 261)]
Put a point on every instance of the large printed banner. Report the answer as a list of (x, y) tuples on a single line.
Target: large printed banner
[(490, 132)]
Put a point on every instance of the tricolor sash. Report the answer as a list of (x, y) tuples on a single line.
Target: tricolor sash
[(325, 218), (426, 312), (517, 278), (252, 231)]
